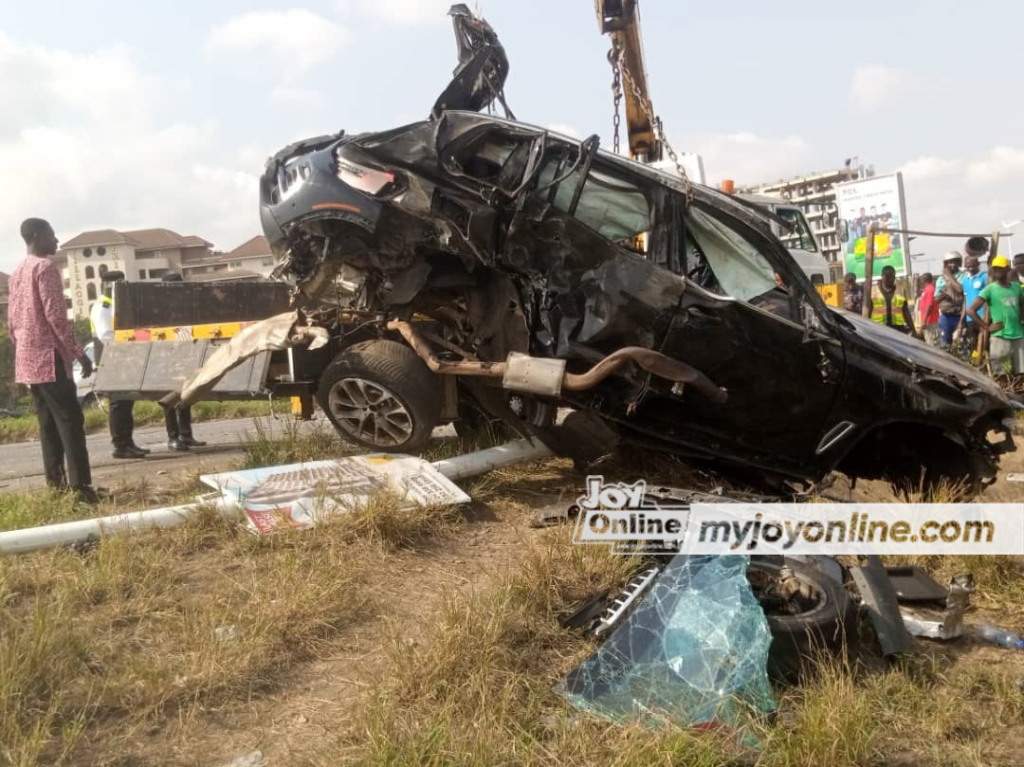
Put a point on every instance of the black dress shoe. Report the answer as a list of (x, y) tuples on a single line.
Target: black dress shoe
[(86, 494), (191, 442), (129, 452), (142, 450), (177, 445)]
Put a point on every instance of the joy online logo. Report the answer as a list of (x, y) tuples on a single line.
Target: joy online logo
[(622, 515)]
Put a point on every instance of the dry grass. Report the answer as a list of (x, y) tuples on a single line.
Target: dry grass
[(287, 442), (145, 633), (43, 507), (477, 691), (144, 638)]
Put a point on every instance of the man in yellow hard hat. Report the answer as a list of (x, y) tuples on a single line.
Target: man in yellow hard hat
[(1006, 349)]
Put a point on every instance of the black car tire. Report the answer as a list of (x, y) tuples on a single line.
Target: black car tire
[(799, 640), (381, 395)]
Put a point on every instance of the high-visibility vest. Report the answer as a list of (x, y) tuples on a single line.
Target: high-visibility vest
[(106, 301), (878, 309)]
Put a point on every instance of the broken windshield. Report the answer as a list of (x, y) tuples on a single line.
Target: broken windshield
[(739, 268)]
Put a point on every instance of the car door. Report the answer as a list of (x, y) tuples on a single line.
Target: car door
[(748, 322), (577, 239)]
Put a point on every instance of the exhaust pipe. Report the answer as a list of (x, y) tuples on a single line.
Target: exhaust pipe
[(547, 377)]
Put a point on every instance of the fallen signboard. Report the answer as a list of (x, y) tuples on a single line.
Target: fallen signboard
[(297, 496)]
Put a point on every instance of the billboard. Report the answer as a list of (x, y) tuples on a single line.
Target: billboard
[(300, 495), (877, 200)]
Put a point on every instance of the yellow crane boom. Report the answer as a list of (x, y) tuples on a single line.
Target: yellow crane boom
[(620, 20)]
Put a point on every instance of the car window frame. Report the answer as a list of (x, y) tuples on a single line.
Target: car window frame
[(448, 165), (779, 258), (592, 162), (803, 233)]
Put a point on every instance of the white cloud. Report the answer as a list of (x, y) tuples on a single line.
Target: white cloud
[(55, 85), (874, 87), (565, 129), (929, 168), (1002, 164), (72, 168), (298, 97), (748, 158), (296, 37), (405, 11), (945, 195)]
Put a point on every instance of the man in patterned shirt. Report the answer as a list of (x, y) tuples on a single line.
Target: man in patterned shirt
[(44, 348)]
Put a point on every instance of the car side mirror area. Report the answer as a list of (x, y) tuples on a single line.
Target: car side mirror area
[(814, 328), (843, 230)]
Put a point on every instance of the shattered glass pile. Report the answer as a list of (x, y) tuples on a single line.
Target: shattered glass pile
[(693, 651)]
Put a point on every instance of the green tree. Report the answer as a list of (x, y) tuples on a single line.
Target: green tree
[(83, 330), (8, 389)]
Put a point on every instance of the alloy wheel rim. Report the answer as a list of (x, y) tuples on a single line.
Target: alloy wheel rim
[(370, 412)]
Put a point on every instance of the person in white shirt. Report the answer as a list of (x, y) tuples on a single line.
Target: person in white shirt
[(122, 422)]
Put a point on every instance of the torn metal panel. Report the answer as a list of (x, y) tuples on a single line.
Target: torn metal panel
[(947, 623), (483, 66), (274, 334), (880, 600)]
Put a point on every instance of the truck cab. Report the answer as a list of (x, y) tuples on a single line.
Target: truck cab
[(798, 237)]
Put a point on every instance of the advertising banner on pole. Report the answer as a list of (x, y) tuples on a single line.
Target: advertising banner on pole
[(878, 200), (299, 495)]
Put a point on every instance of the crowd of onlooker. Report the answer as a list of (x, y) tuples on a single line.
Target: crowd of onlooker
[(965, 310)]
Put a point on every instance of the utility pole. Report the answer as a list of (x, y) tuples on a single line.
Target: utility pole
[(869, 269)]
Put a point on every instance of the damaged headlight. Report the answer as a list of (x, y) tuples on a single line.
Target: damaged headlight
[(379, 183)]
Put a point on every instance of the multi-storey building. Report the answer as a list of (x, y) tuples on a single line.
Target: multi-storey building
[(251, 260), (144, 255), (815, 195)]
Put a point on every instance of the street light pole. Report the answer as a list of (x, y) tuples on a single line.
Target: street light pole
[(1008, 226)]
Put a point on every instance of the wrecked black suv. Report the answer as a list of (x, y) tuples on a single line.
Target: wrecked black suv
[(493, 257)]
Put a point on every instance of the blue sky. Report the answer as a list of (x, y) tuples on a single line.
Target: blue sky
[(128, 115)]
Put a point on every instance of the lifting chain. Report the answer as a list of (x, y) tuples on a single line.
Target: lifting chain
[(614, 56), (655, 124)]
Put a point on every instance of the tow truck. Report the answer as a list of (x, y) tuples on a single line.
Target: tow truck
[(620, 20)]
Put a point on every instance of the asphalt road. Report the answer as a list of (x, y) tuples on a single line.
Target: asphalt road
[(21, 463)]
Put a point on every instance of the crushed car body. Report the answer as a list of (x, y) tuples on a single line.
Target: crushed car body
[(531, 250)]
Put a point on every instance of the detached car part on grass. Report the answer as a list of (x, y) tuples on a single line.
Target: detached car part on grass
[(542, 257), (809, 613), (692, 652)]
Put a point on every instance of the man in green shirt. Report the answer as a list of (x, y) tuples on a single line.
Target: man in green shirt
[(1006, 349)]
